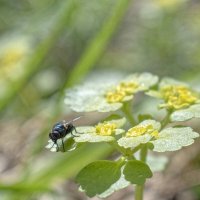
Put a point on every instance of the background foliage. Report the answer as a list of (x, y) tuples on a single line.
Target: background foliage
[(47, 46)]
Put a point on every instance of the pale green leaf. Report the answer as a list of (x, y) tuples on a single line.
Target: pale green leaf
[(68, 141), (90, 97), (119, 122), (93, 138), (132, 142), (186, 114), (170, 81), (144, 80), (172, 139), (120, 184), (88, 134)]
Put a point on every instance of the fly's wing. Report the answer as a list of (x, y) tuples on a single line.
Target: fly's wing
[(66, 123)]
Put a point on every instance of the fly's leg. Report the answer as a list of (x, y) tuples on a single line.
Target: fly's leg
[(63, 145)]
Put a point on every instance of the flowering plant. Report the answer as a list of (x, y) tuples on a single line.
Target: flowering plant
[(128, 135)]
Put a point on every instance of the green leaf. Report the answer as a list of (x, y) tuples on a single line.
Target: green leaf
[(186, 114), (98, 176), (137, 172), (120, 184), (172, 139)]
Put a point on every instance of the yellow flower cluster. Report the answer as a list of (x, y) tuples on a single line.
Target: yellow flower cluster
[(141, 130), (105, 129), (178, 96), (168, 3), (12, 56), (121, 91)]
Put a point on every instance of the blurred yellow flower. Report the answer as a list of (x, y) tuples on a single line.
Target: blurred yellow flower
[(121, 91), (114, 97), (12, 56), (177, 97), (127, 87), (168, 3)]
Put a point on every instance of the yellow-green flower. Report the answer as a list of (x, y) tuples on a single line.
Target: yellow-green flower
[(141, 130), (178, 96), (180, 99), (115, 96), (127, 87), (121, 92), (142, 133), (106, 97), (102, 132), (105, 128)]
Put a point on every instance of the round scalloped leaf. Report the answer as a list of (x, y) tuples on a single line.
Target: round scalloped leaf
[(137, 172), (99, 176), (186, 114), (90, 98), (172, 139), (120, 184), (156, 125), (170, 81), (89, 135), (93, 138), (119, 122), (132, 142)]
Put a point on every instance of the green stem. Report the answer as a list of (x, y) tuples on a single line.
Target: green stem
[(140, 188), (125, 152), (139, 192), (126, 109), (166, 120)]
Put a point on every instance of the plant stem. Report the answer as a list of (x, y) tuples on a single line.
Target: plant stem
[(126, 109), (139, 192), (140, 188), (166, 120), (124, 152)]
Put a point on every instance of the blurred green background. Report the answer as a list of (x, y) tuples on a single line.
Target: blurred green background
[(47, 46)]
